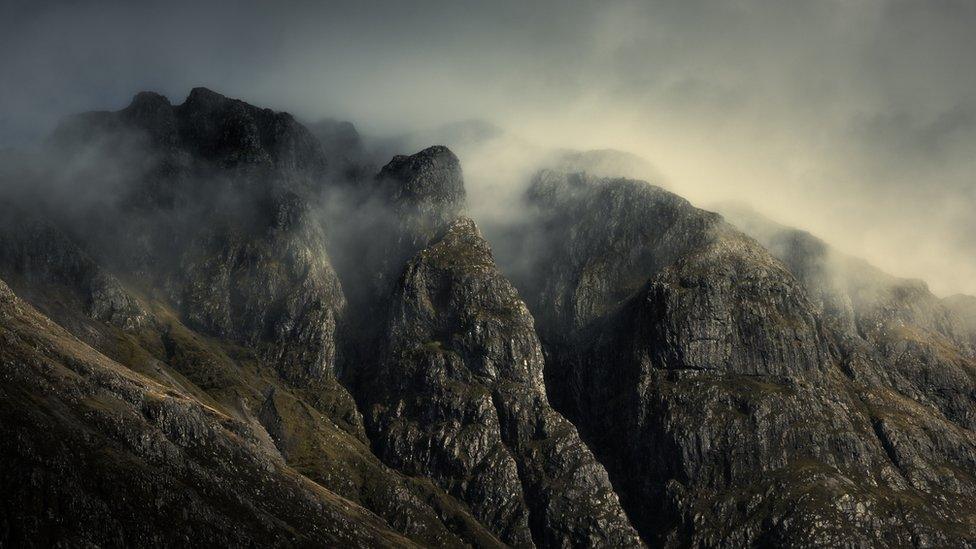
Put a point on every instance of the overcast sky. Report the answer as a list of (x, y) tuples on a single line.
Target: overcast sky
[(855, 119)]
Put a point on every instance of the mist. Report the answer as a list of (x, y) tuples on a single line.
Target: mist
[(855, 120)]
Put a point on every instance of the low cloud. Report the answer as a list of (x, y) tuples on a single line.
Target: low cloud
[(853, 119)]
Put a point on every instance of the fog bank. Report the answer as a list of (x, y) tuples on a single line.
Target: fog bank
[(853, 119)]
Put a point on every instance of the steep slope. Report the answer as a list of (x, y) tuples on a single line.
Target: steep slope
[(237, 308), (217, 209), (923, 343), (96, 454), (453, 390), (696, 366)]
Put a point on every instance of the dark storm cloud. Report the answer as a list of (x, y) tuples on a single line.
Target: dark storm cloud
[(852, 118)]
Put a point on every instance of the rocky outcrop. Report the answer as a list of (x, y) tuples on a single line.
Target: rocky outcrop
[(272, 289), (238, 304), (229, 260), (893, 331), (220, 213), (701, 373), (314, 429), (424, 191), (456, 392)]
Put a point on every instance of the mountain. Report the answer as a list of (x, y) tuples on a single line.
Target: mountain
[(453, 384), (923, 343), (221, 327), (728, 408)]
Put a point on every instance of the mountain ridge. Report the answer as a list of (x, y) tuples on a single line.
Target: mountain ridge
[(647, 375)]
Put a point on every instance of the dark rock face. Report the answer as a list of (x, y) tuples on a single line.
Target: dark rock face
[(220, 200), (699, 370), (914, 342), (256, 346), (39, 253), (455, 391), (274, 290), (221, 218), (237, 253), (462, 401), (425, 191), (232, 133), (410, 202), (95, 454)]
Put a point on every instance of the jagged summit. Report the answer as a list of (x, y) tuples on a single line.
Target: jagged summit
[(622, 232), (232, 131), (432, 176), (423, 193), (204, 95), (148, 100), (211, 127)]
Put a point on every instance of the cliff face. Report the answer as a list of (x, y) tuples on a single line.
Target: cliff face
[(893, 331), (454, 390), (215, 201), (227, 334), (715, 391), (208, 272)]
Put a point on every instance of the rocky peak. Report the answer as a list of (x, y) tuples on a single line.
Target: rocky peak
[(153, 113), (430, 181), (204, 97), (411, 201), (894, 332), (218, 204), (720, 407), (147, 102), (224, 130), (232, 132), (213, 130), (461, 347), (598, 240)]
